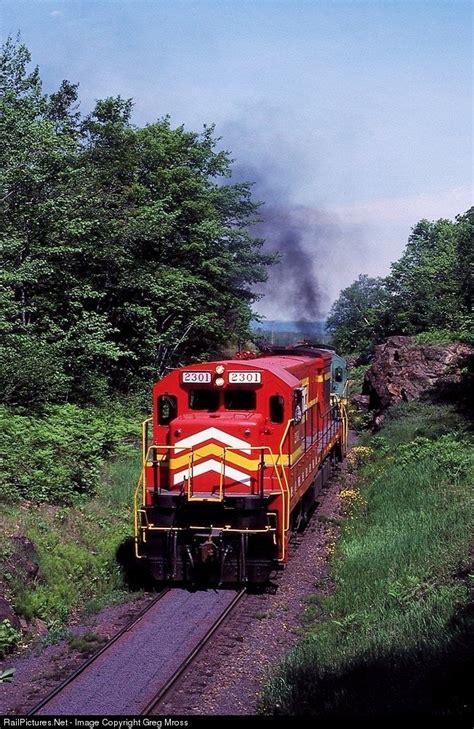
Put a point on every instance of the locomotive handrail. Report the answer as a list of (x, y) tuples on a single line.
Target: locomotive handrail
[(285, 476), (340, 403), (283, 485), (145, 437)]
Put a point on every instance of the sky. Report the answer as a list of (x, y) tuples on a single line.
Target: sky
[(354, 119)]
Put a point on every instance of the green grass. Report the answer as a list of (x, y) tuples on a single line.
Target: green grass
[(76, 547), (401, 592)]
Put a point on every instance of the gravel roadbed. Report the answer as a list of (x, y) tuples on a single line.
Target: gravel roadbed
[(39, 668), (228, 675)]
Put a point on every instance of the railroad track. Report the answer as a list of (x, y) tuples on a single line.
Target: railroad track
[(160, 696), (70, 679), (137, 668)]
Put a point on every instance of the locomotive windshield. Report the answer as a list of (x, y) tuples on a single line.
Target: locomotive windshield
[(210, 400), (240, 399), (204, 400)]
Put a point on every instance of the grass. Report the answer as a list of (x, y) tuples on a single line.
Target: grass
[(87, 643), (397, 623), (76, 548)]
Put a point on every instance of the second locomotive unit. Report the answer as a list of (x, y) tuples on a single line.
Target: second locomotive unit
[(233, 458)]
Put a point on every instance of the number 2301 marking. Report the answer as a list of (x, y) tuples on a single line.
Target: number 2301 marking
[(245, 377), (202, 377)]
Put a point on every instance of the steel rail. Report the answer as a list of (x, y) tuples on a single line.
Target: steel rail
[(166, 688), (94, 657)]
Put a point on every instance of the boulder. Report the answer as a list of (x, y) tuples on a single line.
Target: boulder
[(403, 370), (361, 403)]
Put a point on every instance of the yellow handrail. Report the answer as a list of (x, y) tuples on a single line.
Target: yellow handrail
[(283, 484), (280, 456), (284, 490), (145, 437)]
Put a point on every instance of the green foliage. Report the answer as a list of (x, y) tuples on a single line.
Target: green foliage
[(356, 378), (448, 453), (377, 641), (123, 251), (76, 547), (428, 291), (358, 319), (408, 421), (438, 336), (424, 282), (9, 637), (358, 419), (87, 643), (57, 456)]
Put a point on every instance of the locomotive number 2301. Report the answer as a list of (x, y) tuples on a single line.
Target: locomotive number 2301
[(201, 377), (245, 377)]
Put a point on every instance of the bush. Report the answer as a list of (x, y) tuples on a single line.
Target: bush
[(56, 456), (449, 336), (9, 637)]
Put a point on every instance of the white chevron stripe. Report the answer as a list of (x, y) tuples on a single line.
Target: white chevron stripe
[(216, 434), (213, 465)]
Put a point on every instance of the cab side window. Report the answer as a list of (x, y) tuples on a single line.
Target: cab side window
[(167, 409), (298, 406), (277, 409)]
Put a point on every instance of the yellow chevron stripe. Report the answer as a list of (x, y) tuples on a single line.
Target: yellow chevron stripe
[(212, 449), (232, 457)]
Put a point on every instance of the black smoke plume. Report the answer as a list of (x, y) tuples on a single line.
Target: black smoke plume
[(302, 237)]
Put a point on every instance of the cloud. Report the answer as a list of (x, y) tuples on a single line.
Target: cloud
[(445, 203)]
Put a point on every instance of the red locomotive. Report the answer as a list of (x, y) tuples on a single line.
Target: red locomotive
[(237, 453)]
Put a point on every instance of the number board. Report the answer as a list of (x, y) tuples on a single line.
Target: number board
[(197, 377), (245, 378)]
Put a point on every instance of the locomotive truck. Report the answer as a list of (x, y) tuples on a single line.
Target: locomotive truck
[(234, 456)]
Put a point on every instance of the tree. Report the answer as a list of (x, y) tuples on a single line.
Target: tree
[(424, 282), (429, 289), (360, 316), (123, 251), (465, 259)]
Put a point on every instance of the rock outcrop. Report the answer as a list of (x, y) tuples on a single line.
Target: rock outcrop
[(403, 370), (6, 613)]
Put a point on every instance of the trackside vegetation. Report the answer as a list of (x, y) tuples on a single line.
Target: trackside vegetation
[(396, 634), (57, 454), (76, 547)]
